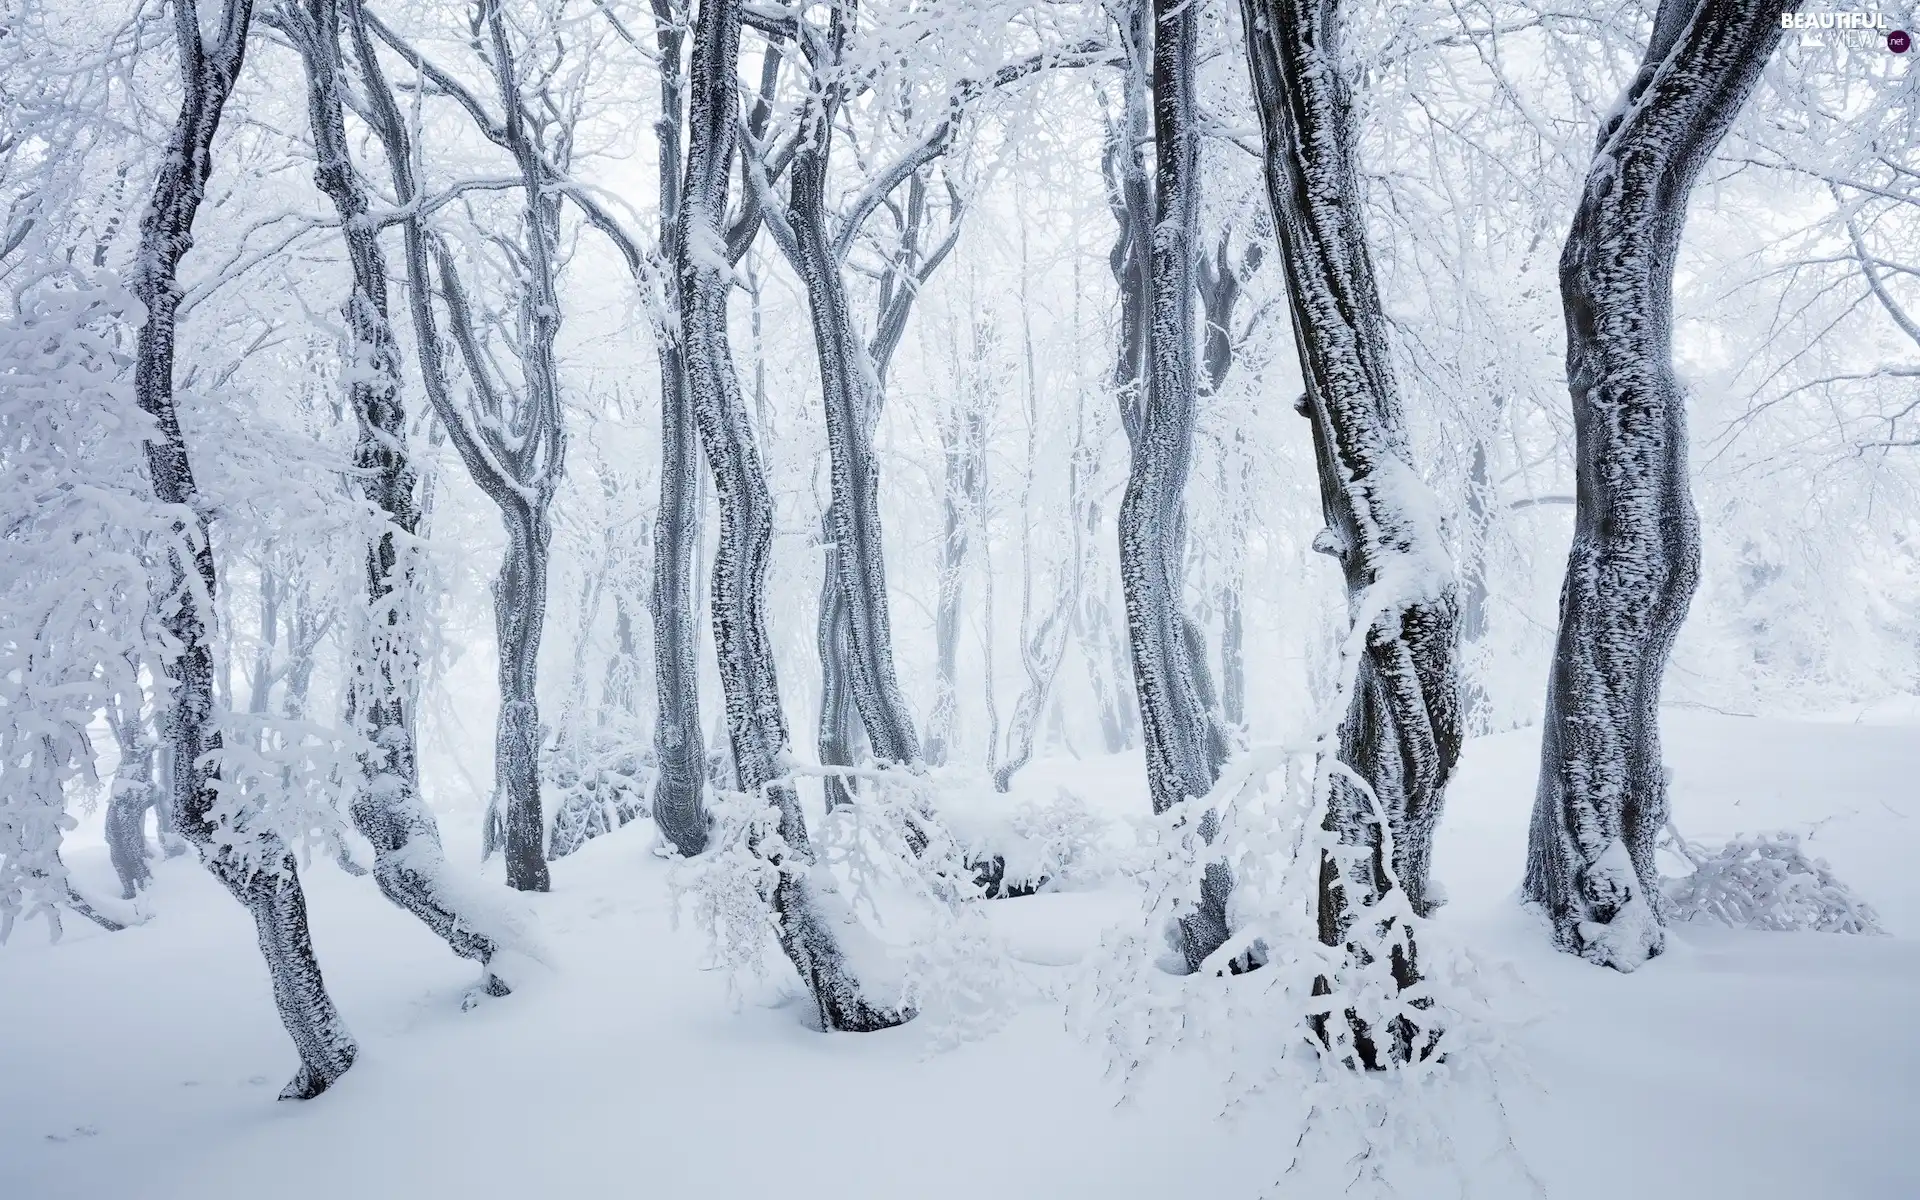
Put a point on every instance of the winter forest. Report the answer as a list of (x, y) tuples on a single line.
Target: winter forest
[(863, 598)]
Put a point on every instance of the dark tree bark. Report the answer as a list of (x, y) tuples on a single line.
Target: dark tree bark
[(679, 806), (386, 808), (262, 875), (756, 723), (854, 628), (1401, 733), (1182, 742), (1636, 545)]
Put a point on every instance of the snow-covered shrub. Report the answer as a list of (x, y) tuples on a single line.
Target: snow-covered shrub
[(896, 876), (1763, 881), (77, 525), (595, 785), (1022, 847), (1299, 1035)]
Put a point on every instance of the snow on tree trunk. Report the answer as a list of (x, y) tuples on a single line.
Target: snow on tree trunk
[(258, 869), (515, 455), (1180, 739), (1635, 558), (386, 808), (756, 724), (1401, 733), (679, 806), (861, 653), (135, 793)]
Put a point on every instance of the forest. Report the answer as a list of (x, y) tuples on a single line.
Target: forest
[(893, 597)]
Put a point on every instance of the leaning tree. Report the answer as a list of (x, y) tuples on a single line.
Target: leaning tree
[(1635, 559), (258, 868), (387, 807)]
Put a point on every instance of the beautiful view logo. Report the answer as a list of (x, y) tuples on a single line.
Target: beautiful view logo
[(1857, 28)]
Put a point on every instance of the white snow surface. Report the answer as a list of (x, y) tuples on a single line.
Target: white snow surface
[(144, 1064)]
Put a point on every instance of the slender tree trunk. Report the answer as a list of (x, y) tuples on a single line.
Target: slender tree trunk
[(756, 724), (386, 808), (962, 432), (1180, 739), (1401, 733), (134, 794), (519, 613), (862, 651), (1636, 544), (1043, 646), (679, 806), (1222, 279), (261, 874)]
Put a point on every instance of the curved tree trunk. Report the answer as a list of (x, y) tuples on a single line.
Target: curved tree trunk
[(1180, 735), (515, 455), (386, 808), (850, 389), (262, 875), (1402, 729), (679, 806), (1636, 543), (756, 725)]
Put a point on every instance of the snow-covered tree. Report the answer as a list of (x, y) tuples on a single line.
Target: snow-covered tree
[(1636, 547)]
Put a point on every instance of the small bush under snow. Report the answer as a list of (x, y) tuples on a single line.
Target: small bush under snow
[(1763, 881)]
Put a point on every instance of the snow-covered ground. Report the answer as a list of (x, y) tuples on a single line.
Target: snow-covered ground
[(143, 1065)]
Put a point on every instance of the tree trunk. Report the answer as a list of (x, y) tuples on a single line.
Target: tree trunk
[(519, 612), (756, 724), (386, 808), (679, 805), (261, 874), (1401, 733), (1636, 545), (134, 793), (1222, 279), (962, 434), (1181, 760), (861, 652)]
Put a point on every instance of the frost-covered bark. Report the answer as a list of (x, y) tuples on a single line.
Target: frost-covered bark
[(258, 868), (1181, 742), (679, 807), (756, 724), (1043, 643), (386, 808), (855, 634), (513, 444), (135, 793), (1636, 544), (1401, 733)]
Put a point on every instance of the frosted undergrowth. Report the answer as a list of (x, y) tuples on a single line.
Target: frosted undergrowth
[(1763, 881), (1061, 844), (1284, 1040), (893, 867)]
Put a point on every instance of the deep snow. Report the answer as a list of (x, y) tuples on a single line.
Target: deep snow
[(144, 1064)]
